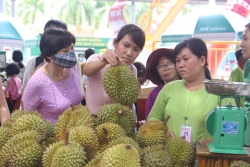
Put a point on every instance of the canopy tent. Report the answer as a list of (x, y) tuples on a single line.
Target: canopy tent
[(218, 26), (14, 34)]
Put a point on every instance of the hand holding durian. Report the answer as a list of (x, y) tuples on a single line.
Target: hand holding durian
[(109, 57)]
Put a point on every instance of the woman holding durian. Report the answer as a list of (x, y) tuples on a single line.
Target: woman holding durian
[(127, 47)]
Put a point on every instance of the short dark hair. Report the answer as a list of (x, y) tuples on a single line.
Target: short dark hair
[(12, 69), (198, 47), (135, 33), (238, 54), (88, 53), (141, 69), (55, 24), (17, 56), (53, 41)]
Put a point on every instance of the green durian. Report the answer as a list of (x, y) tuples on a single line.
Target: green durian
[(71, 117), (5, 134), (156, 155), (121, 155), (50, 151), (107, 132), (87, 138), (121, 84), (22, 150), (180, 150), (64, 154), (124, 140), (240, 164), (151, 133), (50, 129), (18, 113), (95, 162), (29, 122), (117, 113)]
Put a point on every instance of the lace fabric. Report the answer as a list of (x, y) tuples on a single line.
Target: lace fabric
[(39, 94)]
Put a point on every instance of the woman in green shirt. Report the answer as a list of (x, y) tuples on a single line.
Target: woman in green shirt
[(186, 100)]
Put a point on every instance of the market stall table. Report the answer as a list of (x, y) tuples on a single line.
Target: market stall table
[(207, 159)]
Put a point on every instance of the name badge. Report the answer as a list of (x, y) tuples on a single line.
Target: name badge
[(186, 131)]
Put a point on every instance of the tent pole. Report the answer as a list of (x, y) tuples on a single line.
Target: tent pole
[(13, 10), (2, 6)]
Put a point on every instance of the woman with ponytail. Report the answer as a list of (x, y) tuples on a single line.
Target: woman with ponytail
[(17, 57), (186, 100)]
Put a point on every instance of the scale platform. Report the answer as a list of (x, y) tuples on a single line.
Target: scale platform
[(227, 124)]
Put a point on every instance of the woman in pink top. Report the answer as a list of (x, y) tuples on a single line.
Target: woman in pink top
[(13, 84), (54, 86), (4, 111), (128, 45)]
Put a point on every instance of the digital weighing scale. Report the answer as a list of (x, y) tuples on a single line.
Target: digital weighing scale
[(227, 124)]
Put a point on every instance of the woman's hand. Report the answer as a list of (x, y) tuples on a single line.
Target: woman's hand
[(170, 134), (206, 141), (109, 57)]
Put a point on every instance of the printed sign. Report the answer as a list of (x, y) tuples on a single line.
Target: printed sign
[(116, 17), (229, 127)]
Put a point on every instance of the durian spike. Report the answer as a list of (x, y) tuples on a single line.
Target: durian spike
[(182, 163), (72, 107), (120, 112), (166, 120), (66, 138), (105, 130), (41, 140)]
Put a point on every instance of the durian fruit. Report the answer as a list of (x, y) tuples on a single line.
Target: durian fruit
[(7, 124), (152, 132), (29, 122), (22, 150), (121, 84), (51, 136), (5, 134), (87, 138), (95, 162), (18, 113), (64, 154), (117, 113), (71, 117), (121, 155), (240, 164), (156, 155), (50, 129), (180, 150), (107, 132), (50, 151), (124, 140)]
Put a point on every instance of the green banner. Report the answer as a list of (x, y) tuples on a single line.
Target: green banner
[(91, 42)]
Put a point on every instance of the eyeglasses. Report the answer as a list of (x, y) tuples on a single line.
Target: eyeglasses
[(164, 66)]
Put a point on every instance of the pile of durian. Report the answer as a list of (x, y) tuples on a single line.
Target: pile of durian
[(80, 140)]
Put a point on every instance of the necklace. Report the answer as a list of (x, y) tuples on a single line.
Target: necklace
[(52, 86)]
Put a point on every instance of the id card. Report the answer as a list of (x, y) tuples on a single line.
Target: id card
[(186, 130)]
